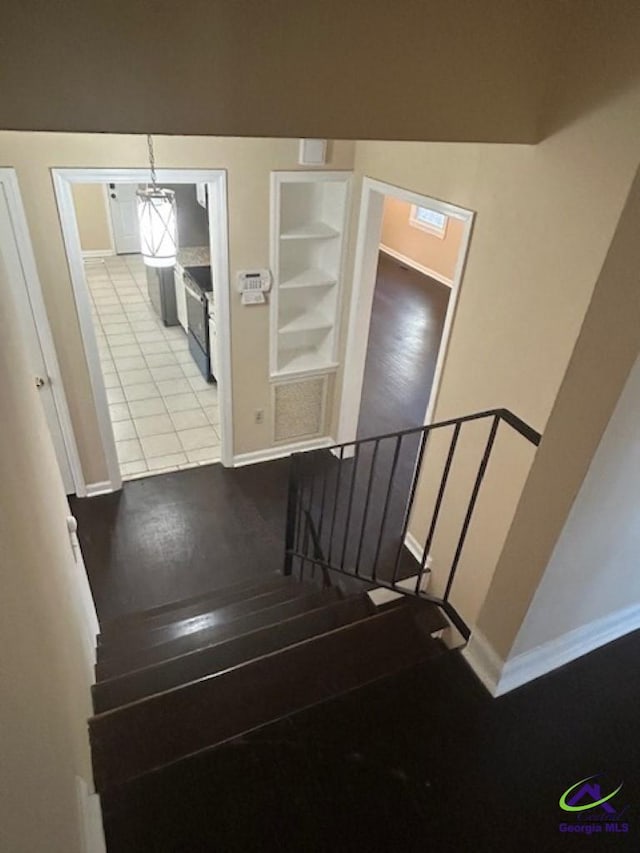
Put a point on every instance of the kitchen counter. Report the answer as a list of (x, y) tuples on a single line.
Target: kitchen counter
[(193, 256)]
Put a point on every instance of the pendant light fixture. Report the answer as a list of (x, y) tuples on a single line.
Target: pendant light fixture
[(157, 218)]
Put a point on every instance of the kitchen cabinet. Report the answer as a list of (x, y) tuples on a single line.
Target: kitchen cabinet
[(181, 297)]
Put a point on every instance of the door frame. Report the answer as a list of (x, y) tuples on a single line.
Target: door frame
[(33, 302), (216, 180), (367, 247)]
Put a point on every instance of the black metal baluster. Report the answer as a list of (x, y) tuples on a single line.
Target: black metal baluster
[(322, 502), (335, 504), (472, 503), (299, 513), (438, 503), (387, 501), (356, 457), (409, 506), (365, 511), (292, 518)]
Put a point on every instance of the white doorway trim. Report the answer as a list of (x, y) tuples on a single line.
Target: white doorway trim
[(33, 303), (216, 180), (364, 282)]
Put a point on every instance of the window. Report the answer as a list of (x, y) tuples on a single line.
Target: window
[(428, 220)]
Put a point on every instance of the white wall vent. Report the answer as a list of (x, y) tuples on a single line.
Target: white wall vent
[(298, 408)]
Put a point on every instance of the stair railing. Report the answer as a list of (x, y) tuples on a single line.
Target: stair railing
[(349, 506)]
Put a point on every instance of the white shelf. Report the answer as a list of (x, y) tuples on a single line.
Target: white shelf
[(311, 231), (308, 221), (311, 321), (303, 360), (309, 278)]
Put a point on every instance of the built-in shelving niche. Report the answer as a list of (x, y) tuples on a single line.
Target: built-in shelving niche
[(308, 220)]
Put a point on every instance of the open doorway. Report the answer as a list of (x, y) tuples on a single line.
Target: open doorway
[(156, 338), (409, 259)]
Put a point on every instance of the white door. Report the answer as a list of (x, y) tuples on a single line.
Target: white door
[(10, 251), (124, 218)]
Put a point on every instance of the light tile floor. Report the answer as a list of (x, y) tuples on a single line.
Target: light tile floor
[(164, 414)]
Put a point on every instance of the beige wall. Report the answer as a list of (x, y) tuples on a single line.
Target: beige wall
[(46, 645), (92, 216), (545, 217), (282, 68), (428, 250), (248, 163), (593, 571), (605, 351)]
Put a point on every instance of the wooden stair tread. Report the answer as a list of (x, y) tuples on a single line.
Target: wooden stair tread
[(140, 658), (197, 664), (153, 732), (155, 635), (164, 613)]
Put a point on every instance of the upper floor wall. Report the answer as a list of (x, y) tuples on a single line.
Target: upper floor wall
[(456, 71)]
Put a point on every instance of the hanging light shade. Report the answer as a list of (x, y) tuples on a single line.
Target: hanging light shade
[(158, 221), (157, 217)]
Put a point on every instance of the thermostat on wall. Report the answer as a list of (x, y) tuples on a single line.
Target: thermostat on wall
[(253, 284)]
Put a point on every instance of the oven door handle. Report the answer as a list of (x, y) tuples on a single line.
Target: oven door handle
[(192, 292)]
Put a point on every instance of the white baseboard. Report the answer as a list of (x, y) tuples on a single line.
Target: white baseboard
[(98, 253), (484, 661), (91, 831), (500, 677), (416, 266), (270, 453), (104, 487), (532, 664)]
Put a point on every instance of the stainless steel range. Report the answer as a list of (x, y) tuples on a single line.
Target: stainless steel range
[(197, 284)]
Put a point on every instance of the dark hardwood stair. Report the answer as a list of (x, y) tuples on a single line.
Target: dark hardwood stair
[(183, 625), (165, 693), (166, 613), (308, 598), (228, 653)]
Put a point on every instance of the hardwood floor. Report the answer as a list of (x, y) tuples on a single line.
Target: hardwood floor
[(404, 337), (425, 762), (174, 536), (177, 535)]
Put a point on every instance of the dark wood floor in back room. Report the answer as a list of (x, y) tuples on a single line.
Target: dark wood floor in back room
[(174, 536)]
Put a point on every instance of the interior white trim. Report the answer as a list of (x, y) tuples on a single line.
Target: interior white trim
[(270, 453), (97, 253), (500, 677), (483, 660), (548, 656), (90, 818), (413, 546), (409, 262), (33, 294), (103, 487), (216, 179), (364, 280)]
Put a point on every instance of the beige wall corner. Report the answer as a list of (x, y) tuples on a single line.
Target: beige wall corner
[(46, 625), (606, 349), (92, 215), (593, 572)]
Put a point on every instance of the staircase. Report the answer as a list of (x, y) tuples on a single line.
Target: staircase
[(179, 679)]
